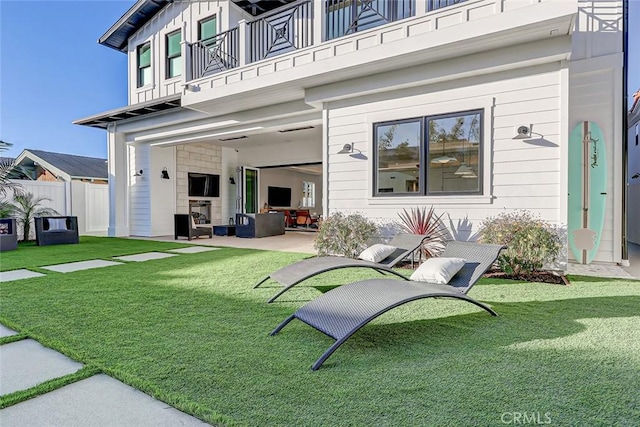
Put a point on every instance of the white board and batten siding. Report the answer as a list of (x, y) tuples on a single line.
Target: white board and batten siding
[(139, 190), (517, 175), (179, 15)]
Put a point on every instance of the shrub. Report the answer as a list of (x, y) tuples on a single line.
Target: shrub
[(419, 221), (530, 241), (341, 234)]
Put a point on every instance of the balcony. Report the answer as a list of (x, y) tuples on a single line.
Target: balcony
[(292, 28), (278, 60)]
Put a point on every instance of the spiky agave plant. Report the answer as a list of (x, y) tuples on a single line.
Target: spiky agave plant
[(420, 221)]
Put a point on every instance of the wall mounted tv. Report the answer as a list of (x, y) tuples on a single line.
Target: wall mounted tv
[(279, 197), (204, 185)]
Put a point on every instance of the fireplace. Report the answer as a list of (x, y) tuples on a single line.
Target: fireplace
[(200, 210)]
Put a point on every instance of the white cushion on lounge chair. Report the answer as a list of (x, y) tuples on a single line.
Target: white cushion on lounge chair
[(438, 270), (377, 252), (57, 224)]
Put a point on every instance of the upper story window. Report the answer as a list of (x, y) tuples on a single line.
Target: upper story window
[(433, 155), (207, 29), (174, 52), (144, 64)]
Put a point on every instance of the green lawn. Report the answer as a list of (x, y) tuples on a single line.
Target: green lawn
[(191, 331)]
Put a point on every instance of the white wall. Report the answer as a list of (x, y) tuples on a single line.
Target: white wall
[(162, 190), (228, 191), (139, 191), (633, 194), (290, 179), (595, 94), (179, 15), (90, 203), (517, 175), (284, 153)]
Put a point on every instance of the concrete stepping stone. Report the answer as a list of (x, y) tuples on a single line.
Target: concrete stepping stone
[(80, 265), (99, 401), (26, 363), (7, 276), (6, 332), (193, 250), (146, 256)]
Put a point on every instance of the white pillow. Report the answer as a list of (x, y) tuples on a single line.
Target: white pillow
[(377, 252), (57, 224), (438, 270)]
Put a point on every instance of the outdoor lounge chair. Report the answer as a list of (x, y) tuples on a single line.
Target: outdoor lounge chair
[(295, 273), (340, 312)]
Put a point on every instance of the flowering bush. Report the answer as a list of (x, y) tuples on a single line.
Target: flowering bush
[(530, 241), (341, 234)]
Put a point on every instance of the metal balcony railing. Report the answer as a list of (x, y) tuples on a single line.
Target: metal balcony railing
[(439, 4), (345, 17), (214, 55), (282, 31), (291, 28)]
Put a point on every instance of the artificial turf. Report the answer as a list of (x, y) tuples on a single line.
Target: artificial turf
[(191, 331)]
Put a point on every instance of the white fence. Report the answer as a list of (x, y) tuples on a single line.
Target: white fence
[(89, 202)]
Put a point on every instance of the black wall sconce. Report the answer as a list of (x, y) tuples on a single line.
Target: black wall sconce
[(232, 181), (165, 174), (139, 173)]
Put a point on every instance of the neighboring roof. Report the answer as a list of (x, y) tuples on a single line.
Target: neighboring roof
[(102, 120), (636, 101), (142, 11), (68, 165)]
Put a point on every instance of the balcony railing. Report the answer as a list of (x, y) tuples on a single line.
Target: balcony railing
[(281, 32), (345, 17), (439, 4), (291, 28), (219, 53)]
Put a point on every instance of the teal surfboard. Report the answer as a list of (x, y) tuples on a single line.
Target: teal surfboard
[(587, 190)]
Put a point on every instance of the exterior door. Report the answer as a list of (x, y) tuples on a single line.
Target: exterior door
[(248, 191)]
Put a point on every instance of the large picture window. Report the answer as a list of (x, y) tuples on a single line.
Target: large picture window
[(174, 52), (433, 155), (144, 64)]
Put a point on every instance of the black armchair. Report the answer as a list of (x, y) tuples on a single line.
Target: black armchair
[(56, 230), (183, 226)]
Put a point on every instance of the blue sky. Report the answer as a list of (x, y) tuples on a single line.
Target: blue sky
[(52, 71)]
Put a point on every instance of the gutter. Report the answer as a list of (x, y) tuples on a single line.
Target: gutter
[(625, 129)]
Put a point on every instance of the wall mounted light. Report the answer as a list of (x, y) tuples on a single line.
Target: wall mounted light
[(526, 132), (346, 149), (165, 174), (139, 173), (232, 180)]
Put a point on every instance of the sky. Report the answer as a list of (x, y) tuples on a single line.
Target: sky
[(53, 71)]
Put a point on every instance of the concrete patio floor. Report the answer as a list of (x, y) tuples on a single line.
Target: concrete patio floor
[(291, 241)]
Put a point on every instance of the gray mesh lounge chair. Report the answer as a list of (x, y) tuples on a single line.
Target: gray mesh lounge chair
[(295, 273), (340, 312)]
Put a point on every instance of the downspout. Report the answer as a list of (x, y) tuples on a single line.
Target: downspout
[(625, 128)]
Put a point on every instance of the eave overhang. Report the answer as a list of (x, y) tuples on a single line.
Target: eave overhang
[(102, 120)]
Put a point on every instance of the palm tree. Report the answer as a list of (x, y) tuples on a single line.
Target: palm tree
[(26, 208), (7, 168)]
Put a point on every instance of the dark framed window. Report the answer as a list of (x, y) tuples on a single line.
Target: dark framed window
[(432, 155), (207, 29), (174, 54), (144, 64)]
